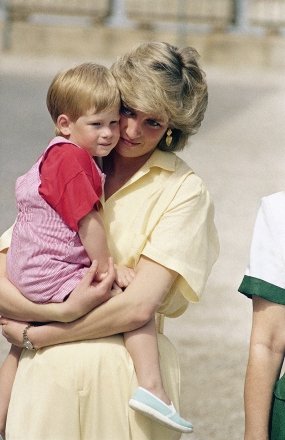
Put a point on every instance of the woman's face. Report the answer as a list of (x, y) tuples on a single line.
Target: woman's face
[(139, 133)]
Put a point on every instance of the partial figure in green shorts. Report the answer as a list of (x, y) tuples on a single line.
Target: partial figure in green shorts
[(264, 282)]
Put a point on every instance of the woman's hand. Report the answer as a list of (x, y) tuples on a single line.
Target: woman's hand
[(88, 294), (13, 330)]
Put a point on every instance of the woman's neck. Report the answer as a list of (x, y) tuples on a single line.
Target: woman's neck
[(119, 170)]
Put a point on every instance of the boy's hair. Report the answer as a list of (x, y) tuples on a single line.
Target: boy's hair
[(166, 81), (82, 88)]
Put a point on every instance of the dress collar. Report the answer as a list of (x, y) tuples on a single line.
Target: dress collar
[(160, 159)]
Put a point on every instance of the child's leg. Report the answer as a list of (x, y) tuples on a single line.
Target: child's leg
[(7, 376), (142, 346), (150, 398)]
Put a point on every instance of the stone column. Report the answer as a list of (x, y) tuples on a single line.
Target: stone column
[(240, 16), (118, 16)]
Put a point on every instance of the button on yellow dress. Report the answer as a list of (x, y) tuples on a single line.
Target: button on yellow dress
[(80, 390)]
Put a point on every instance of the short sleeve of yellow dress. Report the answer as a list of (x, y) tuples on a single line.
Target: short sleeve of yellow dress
[(80, 391)]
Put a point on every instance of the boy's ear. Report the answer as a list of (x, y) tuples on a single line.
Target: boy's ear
[(63, 124)]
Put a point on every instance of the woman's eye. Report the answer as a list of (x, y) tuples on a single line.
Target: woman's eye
[(153, 123), (126, 111)]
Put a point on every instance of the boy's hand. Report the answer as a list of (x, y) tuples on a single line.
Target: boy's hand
[(123, 276)]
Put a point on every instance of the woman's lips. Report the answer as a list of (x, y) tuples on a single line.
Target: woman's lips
[(129, 143)]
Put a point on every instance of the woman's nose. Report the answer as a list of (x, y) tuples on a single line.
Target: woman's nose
[(133, 128)]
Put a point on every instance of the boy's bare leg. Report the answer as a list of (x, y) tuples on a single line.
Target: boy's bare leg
[(7, 375), (143, 348)]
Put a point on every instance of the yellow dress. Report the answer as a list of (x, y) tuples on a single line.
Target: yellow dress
[(80, 390)]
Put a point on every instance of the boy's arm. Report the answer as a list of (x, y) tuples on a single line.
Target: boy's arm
[(93, 237)]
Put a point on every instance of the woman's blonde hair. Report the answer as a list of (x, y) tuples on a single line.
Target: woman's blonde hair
[(166, 81), (82, 88)]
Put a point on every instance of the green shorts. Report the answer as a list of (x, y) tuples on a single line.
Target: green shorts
[(277, 419)]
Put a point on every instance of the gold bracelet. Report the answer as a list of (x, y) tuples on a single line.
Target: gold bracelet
[(26, 341)]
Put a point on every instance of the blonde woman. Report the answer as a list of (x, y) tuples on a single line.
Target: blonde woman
[(158, 217)]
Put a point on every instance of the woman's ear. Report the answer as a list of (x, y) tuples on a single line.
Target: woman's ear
[(63, 124)]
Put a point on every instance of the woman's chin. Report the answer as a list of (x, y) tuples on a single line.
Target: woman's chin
[(126, 151)]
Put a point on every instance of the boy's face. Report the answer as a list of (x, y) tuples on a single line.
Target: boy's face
[(97, 133)]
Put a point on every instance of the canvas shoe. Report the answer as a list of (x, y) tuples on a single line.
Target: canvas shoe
[(151, 406)]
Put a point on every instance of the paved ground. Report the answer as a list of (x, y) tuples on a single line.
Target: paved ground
[(240, 154)]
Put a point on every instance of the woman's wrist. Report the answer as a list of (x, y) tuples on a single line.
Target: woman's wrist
[(38, 335), (46, 335), (62, 312), (27, 343)]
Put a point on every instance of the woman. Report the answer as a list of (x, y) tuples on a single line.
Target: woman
[(159, 219), (264, 282)]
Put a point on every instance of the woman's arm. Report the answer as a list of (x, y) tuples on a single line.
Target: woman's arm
[(266, 354), (128, 311), (85, 297)]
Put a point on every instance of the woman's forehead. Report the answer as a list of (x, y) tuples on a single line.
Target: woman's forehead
[(155, 114)]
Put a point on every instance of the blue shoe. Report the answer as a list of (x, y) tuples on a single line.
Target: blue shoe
[(151, 406)]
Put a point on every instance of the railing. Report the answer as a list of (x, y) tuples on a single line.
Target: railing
[(22, 10), (241, 15), (267, 13), (192, 11)]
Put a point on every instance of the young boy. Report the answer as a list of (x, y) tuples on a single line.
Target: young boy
[(59, 230)]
